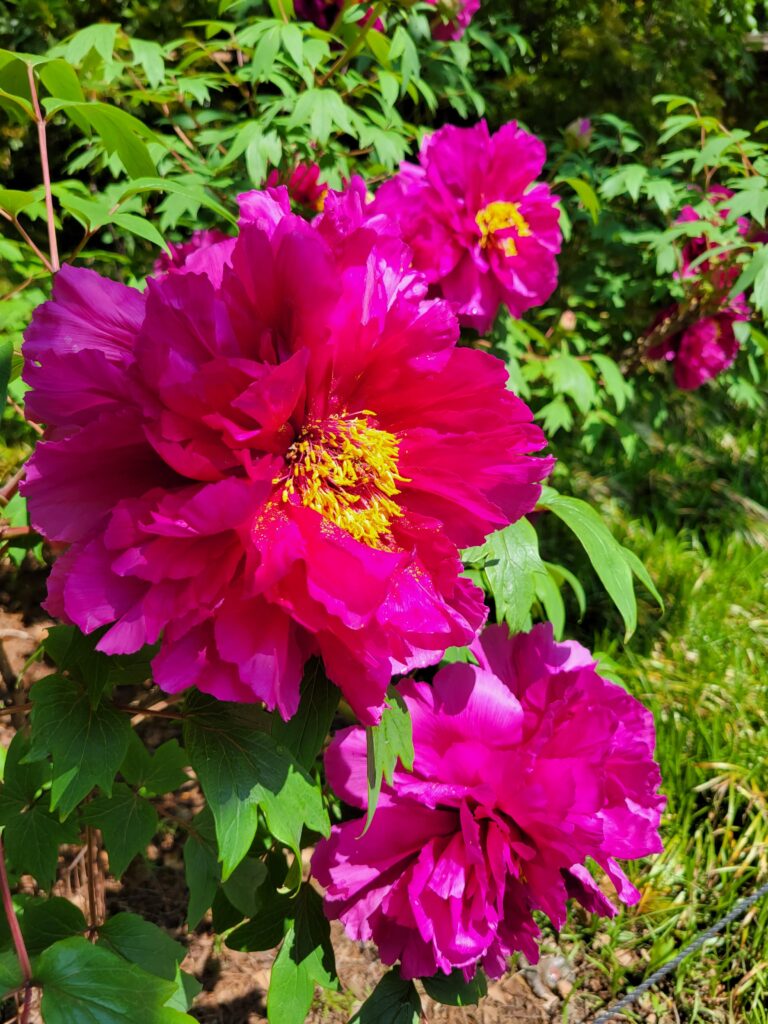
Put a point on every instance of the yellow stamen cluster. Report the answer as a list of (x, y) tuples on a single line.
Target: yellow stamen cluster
[(499, 216), (346, 469)]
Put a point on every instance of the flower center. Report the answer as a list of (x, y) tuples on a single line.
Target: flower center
[(346, 469), (501, 216)]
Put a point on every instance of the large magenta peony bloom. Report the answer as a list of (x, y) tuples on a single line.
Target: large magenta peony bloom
[(453, 17), (525, 766), (274, 454), (482, 232)]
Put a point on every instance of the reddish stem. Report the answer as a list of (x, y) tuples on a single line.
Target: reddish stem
[(17, 937), (43, 143)]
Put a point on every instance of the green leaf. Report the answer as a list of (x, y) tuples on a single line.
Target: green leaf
[(393, 1001), (201, 867), (32, 834), (150, 56), (305, 960), (642, 574), (120, 132), (76, 654), (83, 983), (267, 927), (13, 200), (128, 823), (87, 744), (604, 551), (453, 990), (99, 37), (586, 194), (305, 733), (242, 886), (139, 226), (571, 377), (61, 81), (511, 562), (389, 741), (143, 943), (6, 356), (45, 921), (613, 380), (11, 976), (242, 770)]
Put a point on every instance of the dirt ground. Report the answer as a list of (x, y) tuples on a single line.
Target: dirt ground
[(562, 987)]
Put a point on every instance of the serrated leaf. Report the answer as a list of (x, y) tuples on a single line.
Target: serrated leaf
[(140, 942), (305, 733), (87, 744), (127, 821), (388, 742), (86, 983), (242, 770), (453, 990), (393, 1001)]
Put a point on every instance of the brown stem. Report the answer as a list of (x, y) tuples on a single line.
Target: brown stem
[(11, 485), (90, 871), (369, 21), (43, 143), (13, 219), (17, 937)]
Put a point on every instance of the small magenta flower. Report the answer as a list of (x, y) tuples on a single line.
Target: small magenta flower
[(526, 765), (180, 252), (453, 17), (275, 453), (483, 232), (703, 349), (304, 186)]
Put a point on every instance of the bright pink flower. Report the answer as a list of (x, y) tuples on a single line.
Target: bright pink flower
[(324, 13), (695, 247), (453, 17), (304, 186), (704, 349), (181, 251), (274, 456), (525, 766), (482, 232)]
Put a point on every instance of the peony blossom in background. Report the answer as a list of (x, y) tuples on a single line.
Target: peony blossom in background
[(304, 186), (180, 252), (525, 766), (704, 348), (702, 343), (272, 455), (484, 233), (453, 17)]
